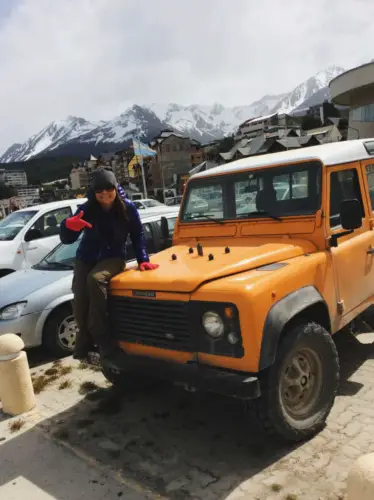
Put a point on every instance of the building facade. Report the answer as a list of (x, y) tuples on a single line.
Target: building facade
[(14, 178), (173, 158), (355, 88)]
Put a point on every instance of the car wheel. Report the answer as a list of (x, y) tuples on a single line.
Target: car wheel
[(60, 332), (299, 389)]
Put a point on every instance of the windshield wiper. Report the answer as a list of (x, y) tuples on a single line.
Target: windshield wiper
[(204, 216), (58, 265), (261, 212)]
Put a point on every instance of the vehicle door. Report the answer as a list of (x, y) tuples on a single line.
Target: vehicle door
[(353, 265), (43, 236)]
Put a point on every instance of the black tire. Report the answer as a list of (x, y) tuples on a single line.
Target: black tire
[(54, 331), (301, 345), (115, 377)]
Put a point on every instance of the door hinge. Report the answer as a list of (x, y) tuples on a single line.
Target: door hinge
[(340, 306)]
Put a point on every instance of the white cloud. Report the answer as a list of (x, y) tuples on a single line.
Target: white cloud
[(91, 58)]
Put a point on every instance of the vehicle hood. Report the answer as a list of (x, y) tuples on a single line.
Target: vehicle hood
[(188, 271), (17, 286)]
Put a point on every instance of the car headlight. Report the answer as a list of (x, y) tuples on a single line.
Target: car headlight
[(213, 324), (13, 311)]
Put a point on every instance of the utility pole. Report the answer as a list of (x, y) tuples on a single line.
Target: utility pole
[(141, 165)]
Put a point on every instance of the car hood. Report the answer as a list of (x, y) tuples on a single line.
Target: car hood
[(7, 251), (187, 271), (19, 285)]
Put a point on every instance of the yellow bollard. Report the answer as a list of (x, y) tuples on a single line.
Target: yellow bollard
[(360, 482), (16, 390)]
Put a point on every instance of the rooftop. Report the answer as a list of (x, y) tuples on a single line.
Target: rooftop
[(333, 153)]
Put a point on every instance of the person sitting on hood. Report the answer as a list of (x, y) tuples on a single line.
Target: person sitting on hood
[(106, 220)]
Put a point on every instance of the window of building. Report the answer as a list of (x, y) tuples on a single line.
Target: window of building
[(344, 185), (167, 148), (370, 178), (174, 147), (363, 114)]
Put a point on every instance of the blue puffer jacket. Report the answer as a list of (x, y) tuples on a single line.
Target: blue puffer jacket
[(106, 239)]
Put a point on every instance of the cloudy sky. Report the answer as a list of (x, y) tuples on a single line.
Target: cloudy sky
[(92, 58)]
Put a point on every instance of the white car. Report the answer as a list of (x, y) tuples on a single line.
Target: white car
[(36, 303), (27, 235), (151, 207)]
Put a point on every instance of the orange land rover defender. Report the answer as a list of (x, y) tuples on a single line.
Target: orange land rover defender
[(271, 255)]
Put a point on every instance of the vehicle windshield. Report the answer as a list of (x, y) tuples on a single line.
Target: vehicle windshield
[(271, 192), (61, 258), (14, 223)]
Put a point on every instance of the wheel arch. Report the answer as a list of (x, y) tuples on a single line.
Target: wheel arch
[(51, 309), (306, 303)]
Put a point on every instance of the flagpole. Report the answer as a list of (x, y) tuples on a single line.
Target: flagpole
[(142, 166)]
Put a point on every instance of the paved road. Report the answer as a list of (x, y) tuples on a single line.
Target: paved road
[(166, 443)]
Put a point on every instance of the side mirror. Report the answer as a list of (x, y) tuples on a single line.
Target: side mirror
[(350, 214), (164, 228), (33, 234)]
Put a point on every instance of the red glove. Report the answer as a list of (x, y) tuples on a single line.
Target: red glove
[(147, 266), (76, 223)]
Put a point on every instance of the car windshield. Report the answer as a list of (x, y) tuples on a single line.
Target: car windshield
[(151, 203), (14, 223), (267, 192), (62, 257)]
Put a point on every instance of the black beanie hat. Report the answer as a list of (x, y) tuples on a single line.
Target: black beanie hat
[(103, 178)]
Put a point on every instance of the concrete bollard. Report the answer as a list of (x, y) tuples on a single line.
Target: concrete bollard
[(16, 390), (360, 482)]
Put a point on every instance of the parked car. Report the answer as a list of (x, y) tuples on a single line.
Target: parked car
[(27, 235), (35, 303), (149, 204), (176, 200)]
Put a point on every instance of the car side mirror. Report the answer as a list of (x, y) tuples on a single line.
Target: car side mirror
[(350, 214), (164, 232), (33, 234), (350, 219)]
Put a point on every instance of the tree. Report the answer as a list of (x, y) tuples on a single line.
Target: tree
[(7, 192)]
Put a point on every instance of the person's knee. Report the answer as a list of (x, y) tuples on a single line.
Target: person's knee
[(98, 280)]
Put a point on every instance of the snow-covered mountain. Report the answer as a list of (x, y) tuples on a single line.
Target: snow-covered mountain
[(49, 138), (303, 92), (79, 137)]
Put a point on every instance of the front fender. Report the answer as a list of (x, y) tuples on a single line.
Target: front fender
[(48, 310), (280, 314)]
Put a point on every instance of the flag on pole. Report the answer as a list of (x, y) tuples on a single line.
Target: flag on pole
[(141, 149)]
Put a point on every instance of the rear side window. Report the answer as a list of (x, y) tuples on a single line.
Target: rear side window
[(344, 185)]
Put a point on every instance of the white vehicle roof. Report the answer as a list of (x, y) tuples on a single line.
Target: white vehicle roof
[(333, 153), (152, 217), (53, 204)]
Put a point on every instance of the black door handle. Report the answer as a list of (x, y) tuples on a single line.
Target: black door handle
[(370, 251)]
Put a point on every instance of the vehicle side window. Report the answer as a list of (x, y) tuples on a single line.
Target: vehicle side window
[(49, 223), (149, 241), (370, 178), (344, 185)]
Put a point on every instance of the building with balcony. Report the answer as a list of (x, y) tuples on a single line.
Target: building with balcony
[(14, 178), (355, 88)]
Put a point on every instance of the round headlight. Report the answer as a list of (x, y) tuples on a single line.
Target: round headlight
[(213, 324)]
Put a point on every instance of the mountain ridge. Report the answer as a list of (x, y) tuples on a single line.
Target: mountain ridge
[(76, 136)]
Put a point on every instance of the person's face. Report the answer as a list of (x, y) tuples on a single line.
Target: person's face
[(106, 196)]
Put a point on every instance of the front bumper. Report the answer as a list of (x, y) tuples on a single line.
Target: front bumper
[(24, 326), (194, 376)]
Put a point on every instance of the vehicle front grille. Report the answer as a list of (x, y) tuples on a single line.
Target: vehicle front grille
[(156, 323)]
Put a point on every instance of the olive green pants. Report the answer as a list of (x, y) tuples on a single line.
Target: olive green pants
[(90, 288)]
